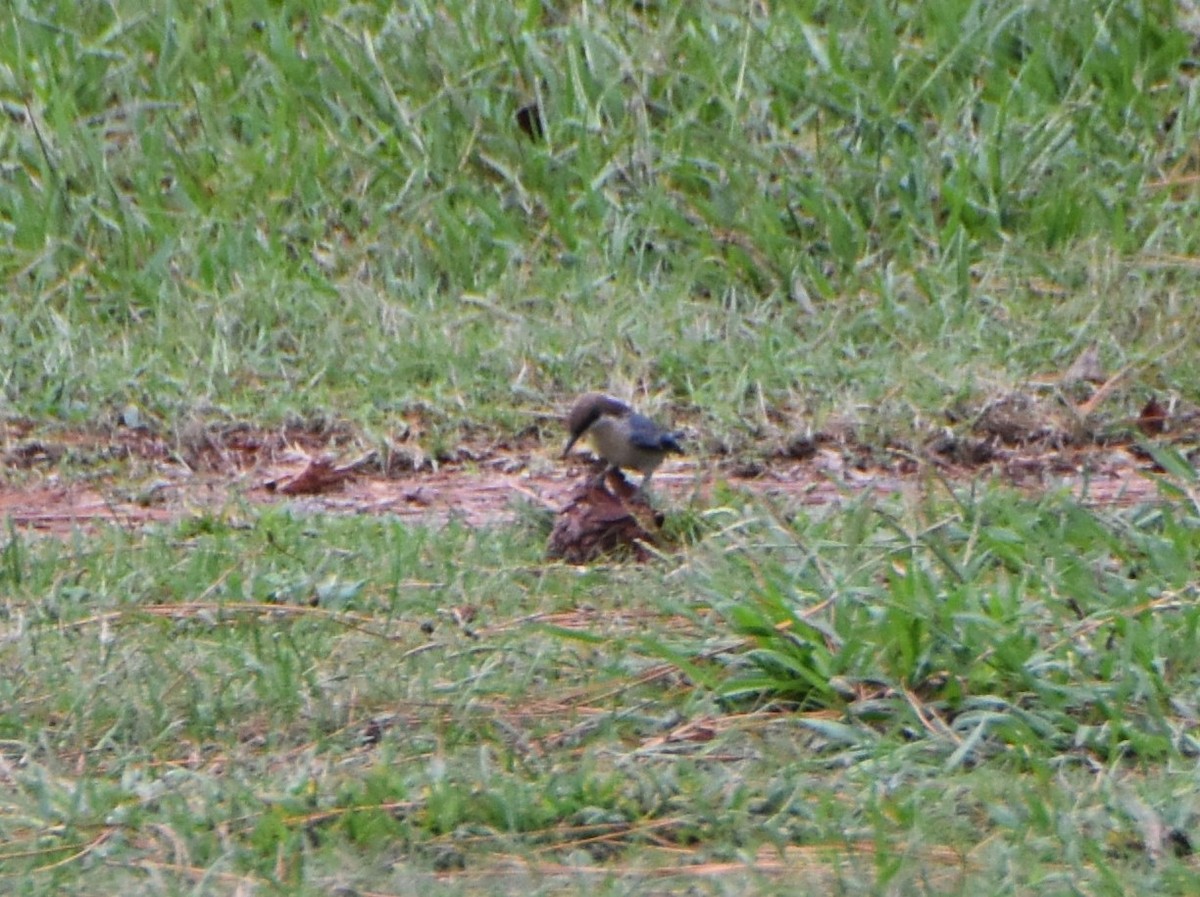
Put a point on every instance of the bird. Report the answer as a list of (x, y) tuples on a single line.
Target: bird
[(620, 435)]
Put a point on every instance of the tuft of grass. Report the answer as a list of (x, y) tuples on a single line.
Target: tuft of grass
[(990, 625)]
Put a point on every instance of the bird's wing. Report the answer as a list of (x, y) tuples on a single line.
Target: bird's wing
[(646, 434)]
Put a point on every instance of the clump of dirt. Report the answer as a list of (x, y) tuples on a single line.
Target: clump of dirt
[(1022, 419), (598, 520)]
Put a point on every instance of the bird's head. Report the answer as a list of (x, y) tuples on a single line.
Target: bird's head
[(588, 409)]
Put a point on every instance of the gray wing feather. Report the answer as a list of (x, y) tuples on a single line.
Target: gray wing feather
[(646, 434)]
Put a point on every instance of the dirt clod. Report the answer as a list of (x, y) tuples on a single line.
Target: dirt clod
[(1019, 419), (799, 447), (962, 449), (598, 520)]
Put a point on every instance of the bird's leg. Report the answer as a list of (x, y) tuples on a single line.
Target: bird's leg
[(604, 472), (644, 488)]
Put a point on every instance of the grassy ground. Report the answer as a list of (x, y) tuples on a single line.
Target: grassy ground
[(974, 695), (864, 210), (754, 220)]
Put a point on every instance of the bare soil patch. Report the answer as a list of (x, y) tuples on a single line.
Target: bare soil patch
[(55, 482)]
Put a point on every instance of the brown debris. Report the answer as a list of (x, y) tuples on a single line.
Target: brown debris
[(33, 452), (800, 447), (529, 119), (597, 521), (1020, 419), (1153, 418), (962, 449), (162, 481), (318, 477)]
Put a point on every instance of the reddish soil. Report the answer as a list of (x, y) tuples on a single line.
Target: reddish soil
[(55, 483)]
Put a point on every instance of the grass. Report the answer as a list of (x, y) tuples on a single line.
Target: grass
[(954, 694), (815, 212), (753, 220)]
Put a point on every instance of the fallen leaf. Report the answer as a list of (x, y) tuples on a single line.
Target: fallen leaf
[(529, 120), (320, 476), (1153, 419)]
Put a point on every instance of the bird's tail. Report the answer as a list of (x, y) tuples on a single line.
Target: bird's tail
[(670, 442)]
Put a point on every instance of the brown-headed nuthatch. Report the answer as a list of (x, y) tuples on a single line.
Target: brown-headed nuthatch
[(620, 435)]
